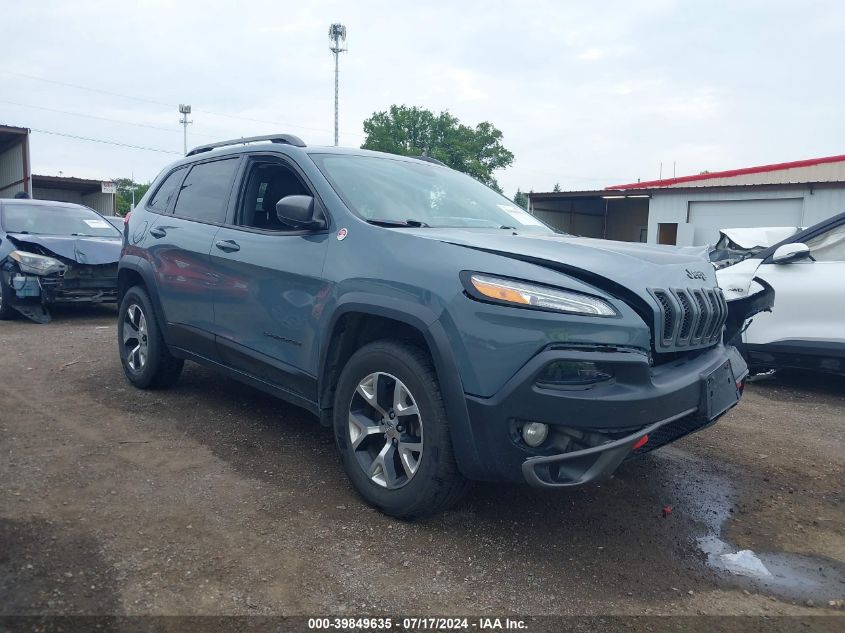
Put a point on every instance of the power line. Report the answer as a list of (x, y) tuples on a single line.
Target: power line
[(99, 118), (160, 103), (100, 140), (79, 87), (283, 125)]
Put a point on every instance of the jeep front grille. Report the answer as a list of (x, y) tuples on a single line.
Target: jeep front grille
[(688, 318)]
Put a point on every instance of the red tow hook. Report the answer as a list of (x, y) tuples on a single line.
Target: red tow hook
[(640, 442)]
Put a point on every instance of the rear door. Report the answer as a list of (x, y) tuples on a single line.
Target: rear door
[(809, 312), (269, 294), (179, 243)]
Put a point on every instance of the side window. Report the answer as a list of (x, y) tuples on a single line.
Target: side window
[(829, 246), (205, 191), (165, 193), (268, 183)]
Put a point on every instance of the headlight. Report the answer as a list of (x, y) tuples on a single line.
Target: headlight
[(37, 264), (530, 295)]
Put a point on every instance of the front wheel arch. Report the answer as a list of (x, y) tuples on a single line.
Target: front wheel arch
[(416, 325)]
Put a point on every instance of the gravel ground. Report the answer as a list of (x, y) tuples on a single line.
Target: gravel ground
[(215, 499)]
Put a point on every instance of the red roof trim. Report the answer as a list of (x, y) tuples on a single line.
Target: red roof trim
[(731, 172)]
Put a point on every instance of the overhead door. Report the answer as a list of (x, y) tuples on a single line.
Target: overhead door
[(709, 216)]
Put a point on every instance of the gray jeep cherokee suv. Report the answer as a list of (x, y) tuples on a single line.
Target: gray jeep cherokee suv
[(446, 334)]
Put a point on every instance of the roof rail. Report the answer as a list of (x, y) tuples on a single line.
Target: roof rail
[(429, 159), (287, 139)]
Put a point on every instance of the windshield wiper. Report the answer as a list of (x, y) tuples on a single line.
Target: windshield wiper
[(411, 223)]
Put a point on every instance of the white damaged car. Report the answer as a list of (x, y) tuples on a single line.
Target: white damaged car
[(806, 328)]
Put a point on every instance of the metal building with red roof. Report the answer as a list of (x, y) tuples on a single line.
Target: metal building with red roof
[(690, 210)]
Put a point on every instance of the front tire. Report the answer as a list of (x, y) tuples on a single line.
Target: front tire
[(392, 432), (146, 361)]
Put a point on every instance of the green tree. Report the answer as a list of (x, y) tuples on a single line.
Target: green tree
[(556, 187), (521, 199), (413, 131), (124, 193)]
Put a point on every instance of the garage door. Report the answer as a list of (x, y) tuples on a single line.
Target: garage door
[(709, 216)]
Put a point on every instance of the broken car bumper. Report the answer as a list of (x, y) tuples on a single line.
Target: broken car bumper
[(29, 294)]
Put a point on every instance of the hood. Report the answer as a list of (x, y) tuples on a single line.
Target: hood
[(629, 264), (82, 250), (759, 237)]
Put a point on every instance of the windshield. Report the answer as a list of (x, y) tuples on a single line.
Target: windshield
[(382, 189), (50, 220)]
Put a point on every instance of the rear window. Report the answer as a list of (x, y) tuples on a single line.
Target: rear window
[(205, 192), (55, 220)]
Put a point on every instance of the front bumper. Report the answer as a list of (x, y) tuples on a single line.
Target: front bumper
[(592, 429), (30, 294)]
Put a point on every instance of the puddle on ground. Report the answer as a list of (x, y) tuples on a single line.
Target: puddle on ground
[(707, 497)]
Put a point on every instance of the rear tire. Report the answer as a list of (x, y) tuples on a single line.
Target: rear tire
[(146, 361), (392, 432)]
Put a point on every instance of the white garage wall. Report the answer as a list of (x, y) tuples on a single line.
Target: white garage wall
[(708, 216), (672, 206)]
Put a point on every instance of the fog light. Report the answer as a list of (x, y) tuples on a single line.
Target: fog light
[(535, 433)]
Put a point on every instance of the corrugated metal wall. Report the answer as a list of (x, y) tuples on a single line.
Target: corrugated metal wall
[(100, 202), (59, 195), (11, 171)]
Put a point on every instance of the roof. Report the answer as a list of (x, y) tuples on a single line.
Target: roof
[(284, 148), (11, 135), (67, 182), (13, 129), (803, 174), (587, 194)]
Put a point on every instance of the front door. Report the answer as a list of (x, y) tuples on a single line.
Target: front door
[(268, 296)]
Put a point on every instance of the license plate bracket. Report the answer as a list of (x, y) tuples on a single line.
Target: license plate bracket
[(719, 391)]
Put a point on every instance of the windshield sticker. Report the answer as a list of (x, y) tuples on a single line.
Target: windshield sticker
[(97, 224), (520, 215)]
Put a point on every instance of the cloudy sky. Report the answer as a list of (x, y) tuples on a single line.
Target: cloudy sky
[(586, 94)]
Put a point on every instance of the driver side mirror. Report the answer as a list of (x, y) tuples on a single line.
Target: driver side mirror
[(300, 212), (789, 253)]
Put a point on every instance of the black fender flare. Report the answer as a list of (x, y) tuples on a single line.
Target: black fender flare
[(424, 320), (143, 268)]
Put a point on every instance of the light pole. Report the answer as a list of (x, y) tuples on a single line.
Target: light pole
[(337, 34), (134, 186), (185, 110)]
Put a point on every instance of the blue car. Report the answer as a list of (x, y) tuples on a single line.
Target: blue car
[(445, 334), (54, 252)]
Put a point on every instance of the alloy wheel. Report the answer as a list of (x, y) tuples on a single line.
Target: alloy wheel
[(386, 430), (135, 340)]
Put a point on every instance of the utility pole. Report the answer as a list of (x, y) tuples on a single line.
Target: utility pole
[(132, 177), (185, 110), (337, 34)]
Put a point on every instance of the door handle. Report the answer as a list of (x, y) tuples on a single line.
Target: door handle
[(157, 232), (228, 246)]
